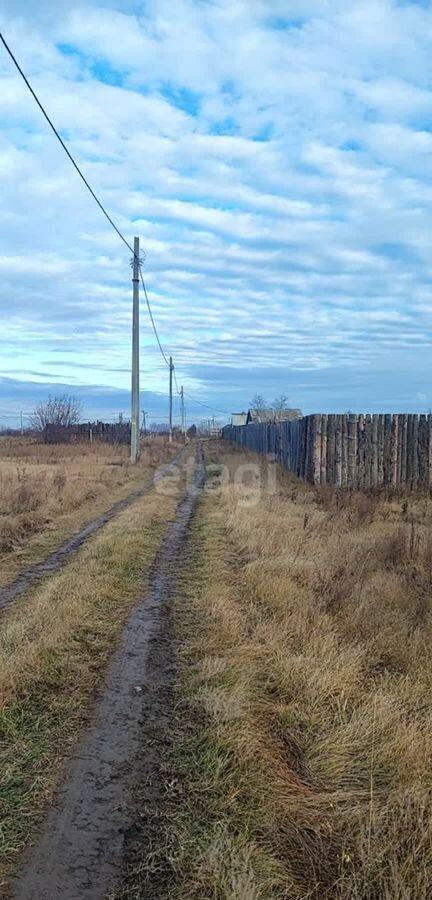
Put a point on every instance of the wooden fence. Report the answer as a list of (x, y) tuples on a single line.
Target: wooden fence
[(356, 451), (112, 433)]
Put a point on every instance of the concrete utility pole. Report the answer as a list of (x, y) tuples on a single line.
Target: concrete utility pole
[(135, 436), (182, 410), (171, 367)]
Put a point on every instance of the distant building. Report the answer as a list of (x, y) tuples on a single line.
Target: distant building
[(272, 416), (239, 418)]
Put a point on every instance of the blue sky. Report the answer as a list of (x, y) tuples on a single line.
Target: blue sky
[(275, 157)]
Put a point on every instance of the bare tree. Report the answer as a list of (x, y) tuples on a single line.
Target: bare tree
[(59, 411), (280, 403), (258, 402)]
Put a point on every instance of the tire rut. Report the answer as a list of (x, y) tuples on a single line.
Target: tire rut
[(80, 851), (58, 557)]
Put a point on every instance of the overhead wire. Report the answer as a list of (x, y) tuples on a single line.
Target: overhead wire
[(151, 317), (65, 148), (84, 179), (103, 210), (175, 380), (211, 408)]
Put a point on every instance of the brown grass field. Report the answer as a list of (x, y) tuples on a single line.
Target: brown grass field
[(49, 491), (297, 764), (303, 751)]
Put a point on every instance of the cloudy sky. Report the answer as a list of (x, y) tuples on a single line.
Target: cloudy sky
[(275, 158)]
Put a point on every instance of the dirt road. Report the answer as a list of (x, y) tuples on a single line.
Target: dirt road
[(79, 853)]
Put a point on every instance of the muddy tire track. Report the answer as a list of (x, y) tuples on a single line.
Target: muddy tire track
[(58, 557), (79, 854)]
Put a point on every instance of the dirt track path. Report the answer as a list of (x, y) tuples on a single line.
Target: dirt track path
[(57, 558), (79, 853)]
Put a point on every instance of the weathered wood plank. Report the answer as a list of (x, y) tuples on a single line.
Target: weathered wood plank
[(317, 441), (399, 450), (409, 460), (380, 449), (415, 470), (404, 445), (394, 449), (387, 448), (361, 441), (338, 450), (331, 450), (324, 449), (374, 477), (430, 449), (422, 451), (352, 450), (368, 451), (344, 424)]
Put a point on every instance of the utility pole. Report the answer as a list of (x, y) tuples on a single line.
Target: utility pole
[(170, 400), (22, 426), (135, 436), (182, 410), (144, 413)]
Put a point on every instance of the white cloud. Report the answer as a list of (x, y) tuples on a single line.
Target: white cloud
[(279, 178)]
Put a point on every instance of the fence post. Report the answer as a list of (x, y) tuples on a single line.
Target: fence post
[(352, 450), (317, 443), (394, 449), (338, 450), (415, 474)]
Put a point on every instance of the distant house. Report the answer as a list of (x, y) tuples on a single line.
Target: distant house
[(272, 416), (239, 418)]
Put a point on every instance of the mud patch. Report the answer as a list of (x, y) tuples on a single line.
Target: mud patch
[(79, 854)]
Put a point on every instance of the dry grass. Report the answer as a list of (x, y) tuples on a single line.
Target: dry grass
[(308, 675), (48, 491), (53, 648)]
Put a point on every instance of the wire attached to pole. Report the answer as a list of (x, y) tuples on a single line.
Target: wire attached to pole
[(60, 139)]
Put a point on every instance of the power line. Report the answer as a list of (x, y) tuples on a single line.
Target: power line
[(175, 380), (151, 317), (103, 210), (84, 179), (186, 393), (211, 408), (60, 139)]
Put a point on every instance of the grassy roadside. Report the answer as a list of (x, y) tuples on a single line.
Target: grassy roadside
[(300, 752), (48, 493), (54, 645)]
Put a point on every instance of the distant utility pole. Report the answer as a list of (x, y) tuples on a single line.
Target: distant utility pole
[(135, 436), (182, 410), (170, 400), (22, 426), (144, 413)]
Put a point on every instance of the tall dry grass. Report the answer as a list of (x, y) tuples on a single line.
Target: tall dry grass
[(311, 676), (40, 483)]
